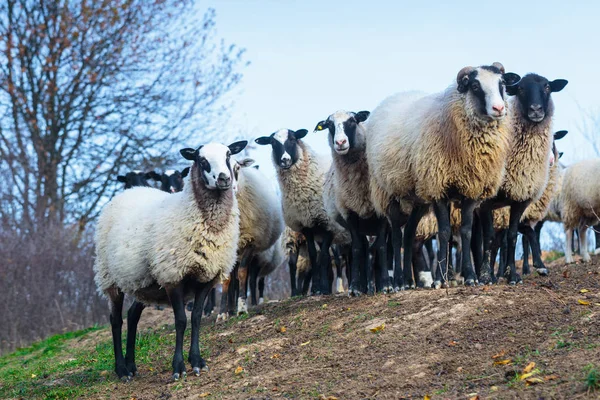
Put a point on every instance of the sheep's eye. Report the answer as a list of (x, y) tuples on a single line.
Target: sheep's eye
[(547, 88), (475, 86)]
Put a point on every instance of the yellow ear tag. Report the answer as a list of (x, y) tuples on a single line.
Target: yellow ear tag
[(319, 128)]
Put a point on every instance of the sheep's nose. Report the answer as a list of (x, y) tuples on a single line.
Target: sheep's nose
[(498, 107), (536, 107), (341, 142), (224, 179)]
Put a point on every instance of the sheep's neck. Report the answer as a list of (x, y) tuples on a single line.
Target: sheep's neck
[(214, 205)]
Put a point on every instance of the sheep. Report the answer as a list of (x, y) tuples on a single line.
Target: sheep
[(293, 242), (261, 224), (171, 180), (301, 176), (433, 149), (264, 263), (527, 167), (580, 198), (348, 180), (165, 248), (537, 211), (135, 179)]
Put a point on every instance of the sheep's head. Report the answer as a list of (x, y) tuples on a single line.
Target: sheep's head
[(135, 178), (484, 89), (342, 129), (171, 180), (555, 155), (533, 95), (214, 163), (285, 146)]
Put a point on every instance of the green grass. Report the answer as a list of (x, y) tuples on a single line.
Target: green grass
[(553, 255), (56, 368), (592, 378)]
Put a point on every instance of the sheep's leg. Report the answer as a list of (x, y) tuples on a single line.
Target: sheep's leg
[(253, 282), (503, 255), (325, 263), (430, 253), (597, 237), (354, 287), (477, 244), (225, 295), (421, 268), (210, 302), (261, 290), (525, 244), (339, 282), (194, 357), (568, 247), (364, 270), (516, 211), (292, 261), (493, 253), (315, 268), (133, 317), (390, 256), (306, 280), (442, 214), (397, 219), (116, 324), (486, 217), (176, 298), (409, 236), (242, 275), (538, 230), (583, 245), (466, 231), (530, 240), (382, 254)]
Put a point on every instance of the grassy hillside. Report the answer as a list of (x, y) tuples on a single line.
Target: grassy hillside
[(461, 343)]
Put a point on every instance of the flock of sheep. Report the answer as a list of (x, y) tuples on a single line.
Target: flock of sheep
[(470, 166)]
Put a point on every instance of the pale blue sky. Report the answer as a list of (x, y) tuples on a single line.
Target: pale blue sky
[(311, 58)]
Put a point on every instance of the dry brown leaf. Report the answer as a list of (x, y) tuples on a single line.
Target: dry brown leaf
[(565, 274), (533, 381), (551, 377), (503, 362), (305, 343), (283, 329), (378, 328), (205, 394), (276, 355), (525, 376), (529, 367), (476, 397), (426, 397), (583, 291), (323, 397), (501, 354), (452, 343), (583, 302), (239, 370)]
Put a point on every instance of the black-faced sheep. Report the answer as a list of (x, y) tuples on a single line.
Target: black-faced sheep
[(171, 180), (433, 149), (166, 248), (527, 165), (135, 179)]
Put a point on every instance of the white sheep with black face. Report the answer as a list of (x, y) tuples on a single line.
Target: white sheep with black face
[(301, 175), (433, 149), (167, 248)]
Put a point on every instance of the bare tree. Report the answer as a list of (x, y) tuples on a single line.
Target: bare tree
[(87, 87)]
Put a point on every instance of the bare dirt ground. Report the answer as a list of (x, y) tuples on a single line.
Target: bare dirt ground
[(461, 343)]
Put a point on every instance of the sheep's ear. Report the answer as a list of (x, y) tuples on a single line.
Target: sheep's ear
[(362, 116), (246, 162), (236, 147), (121, 178), (189, 154), (153, 175), (499, 66), (510, 78), (255, 166), (263, 140), (558, 84), (462, 79), (560, 154), (300, 133), (512, 90), (185, 172), (322, 125), (560, 134)]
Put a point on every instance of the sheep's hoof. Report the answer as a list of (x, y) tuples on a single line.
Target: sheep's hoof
[(242, 307), (339, 286), (485, 278), (352, 292), (387, 289), (126, 379), (198, 370), (222, 317), (437, 284), (425, 279), (453, 283), (516, 279), (470, 282), (542, 271)]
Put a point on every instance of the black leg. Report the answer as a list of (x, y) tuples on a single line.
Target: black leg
[(409, 236), (494, 252), (477, 244), (305, 280), (486, 218), (253, 282), (397, 220), (315, 268), (466, 230), (261, 290), (430, 252), (198, 363), (421, 268), (242, 275), (339, 284), (225, 299), (382, 254), (530, 238), (596, 235), (116, 324), (133, 317), (210, 302), (356, 264), (516, 211), (325, 263), (502, 272), (525, 245), (292, 262), (538, 230), (176, 297), (442, 214)]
